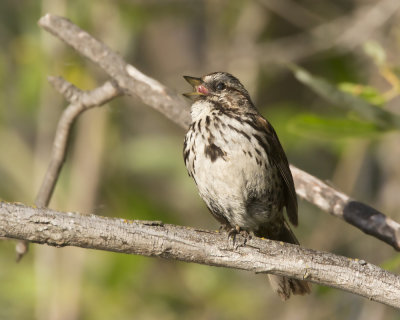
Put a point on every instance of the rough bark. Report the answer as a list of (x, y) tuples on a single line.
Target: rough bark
[(154, 239)]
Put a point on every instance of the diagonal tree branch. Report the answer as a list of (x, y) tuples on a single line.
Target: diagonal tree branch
[(131, 80), (155, 239), (360, 215), (159, 97), (344, 33)]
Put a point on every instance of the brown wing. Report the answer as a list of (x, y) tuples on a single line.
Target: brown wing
[(278, 157)]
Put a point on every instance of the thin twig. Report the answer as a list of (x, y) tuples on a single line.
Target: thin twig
[(344, 33), (293, 12), (175, 108), (200, 246), (79, 102)]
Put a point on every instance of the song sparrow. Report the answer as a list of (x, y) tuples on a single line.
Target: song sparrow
[(238, 164)]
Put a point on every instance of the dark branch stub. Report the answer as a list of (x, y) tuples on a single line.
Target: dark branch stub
[(371, 222)]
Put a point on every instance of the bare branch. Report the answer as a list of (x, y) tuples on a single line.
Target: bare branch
[(199, 246), (131, 80), (360, 215), (345, 33), (172, 106), (366, 22), (80, 101), (293, 12)]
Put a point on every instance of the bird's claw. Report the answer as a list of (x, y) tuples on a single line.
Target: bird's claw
[(234, 231)]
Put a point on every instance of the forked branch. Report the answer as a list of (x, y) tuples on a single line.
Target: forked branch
[(80, 101)]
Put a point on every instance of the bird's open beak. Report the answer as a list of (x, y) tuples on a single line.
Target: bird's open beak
[(199, 88)]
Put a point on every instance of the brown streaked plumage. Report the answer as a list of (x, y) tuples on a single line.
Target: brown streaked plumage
[(239, 166)]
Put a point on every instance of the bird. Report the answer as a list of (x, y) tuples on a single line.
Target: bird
[(239, 166)]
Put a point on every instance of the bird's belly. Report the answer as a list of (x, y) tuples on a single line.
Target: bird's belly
[(241, 186)]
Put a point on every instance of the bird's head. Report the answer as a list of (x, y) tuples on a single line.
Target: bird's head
[(220, 87)]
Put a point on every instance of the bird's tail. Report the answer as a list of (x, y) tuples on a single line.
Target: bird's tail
[(284, 286)]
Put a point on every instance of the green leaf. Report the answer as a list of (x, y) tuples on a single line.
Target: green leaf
[(367, 93), (367, 111), (375, 51), (328, 128)]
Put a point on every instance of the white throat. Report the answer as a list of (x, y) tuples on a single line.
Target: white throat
[(200, 109)]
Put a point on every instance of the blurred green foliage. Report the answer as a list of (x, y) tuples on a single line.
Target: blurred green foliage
[(319, 127), (349, 100), (368, 93)]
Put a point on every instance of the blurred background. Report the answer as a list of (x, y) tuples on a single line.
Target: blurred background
[(125, 159)]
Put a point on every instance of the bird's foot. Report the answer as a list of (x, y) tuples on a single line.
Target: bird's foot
[(245, 236), (233, 231)]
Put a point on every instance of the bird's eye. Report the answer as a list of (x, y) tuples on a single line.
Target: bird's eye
[(220, 86)]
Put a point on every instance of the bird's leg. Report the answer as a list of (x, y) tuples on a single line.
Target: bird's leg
[(247, 234), (234, 231)]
